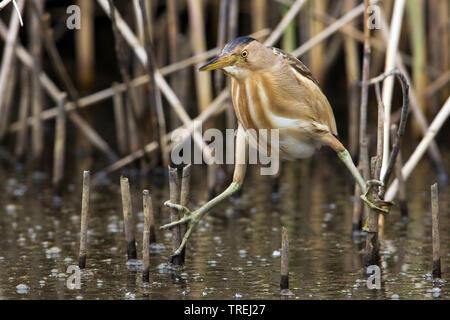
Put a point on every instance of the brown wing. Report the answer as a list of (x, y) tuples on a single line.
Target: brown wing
[(324, 112), (295, 63)]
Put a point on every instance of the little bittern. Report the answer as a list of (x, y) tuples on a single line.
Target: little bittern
[(272, 89)]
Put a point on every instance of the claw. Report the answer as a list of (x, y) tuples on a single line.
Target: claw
[(366, 226), (178, 207), (384, 208), (175, 223), (375, 182), (172, 257), (384, 205)]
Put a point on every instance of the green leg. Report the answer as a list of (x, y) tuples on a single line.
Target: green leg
[(365, 186), (193, 218)]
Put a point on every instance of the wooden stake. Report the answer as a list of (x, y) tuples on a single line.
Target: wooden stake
[(148, 225), (284, 281), (435, 231), (128, 218), (84, 220), (371, 252), (174, 186), (184, 200)]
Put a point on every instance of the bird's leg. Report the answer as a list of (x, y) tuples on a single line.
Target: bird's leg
[(194, 217), (365, 185)]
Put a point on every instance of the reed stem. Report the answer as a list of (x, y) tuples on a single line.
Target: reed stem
[(174, 186), (147, 236), (128, 218), (84, 220), (435, 231)]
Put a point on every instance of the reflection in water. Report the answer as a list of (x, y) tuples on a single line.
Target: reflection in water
[(231, 254)]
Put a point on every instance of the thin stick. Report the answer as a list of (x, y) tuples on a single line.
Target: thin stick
[(147, 236), (8, 102), (357, 210), (4, 3), (84, 220), (23, 112), (7, 58), (59, 146), (37, 136), (403, 203), (388, 84), (174, 186), (413, 160), (233, 23), (371, 252), (284, 280), (128, 218), (221, 38), (120, 121), (363, 141), (363, 147), (184, 200), (435, 231), (353, 75), (416, 14)]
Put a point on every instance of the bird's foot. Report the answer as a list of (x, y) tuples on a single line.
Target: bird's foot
[(190, 218), (379, 205)]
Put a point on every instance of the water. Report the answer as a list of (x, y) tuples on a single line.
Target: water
[(233, 254)]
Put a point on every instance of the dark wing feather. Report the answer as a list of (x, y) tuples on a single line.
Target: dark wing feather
[(295, 63)]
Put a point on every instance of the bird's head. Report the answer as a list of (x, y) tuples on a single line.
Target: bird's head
[(238, 58)]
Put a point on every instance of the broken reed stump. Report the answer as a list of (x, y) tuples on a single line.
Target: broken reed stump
[(184, 199), (357, 210), (148, 225), (128, 218), (174, 189), (284, 279), (435, 231), (84, 220), (371, 252)]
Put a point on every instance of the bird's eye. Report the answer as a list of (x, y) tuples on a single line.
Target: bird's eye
[(244, 54)]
